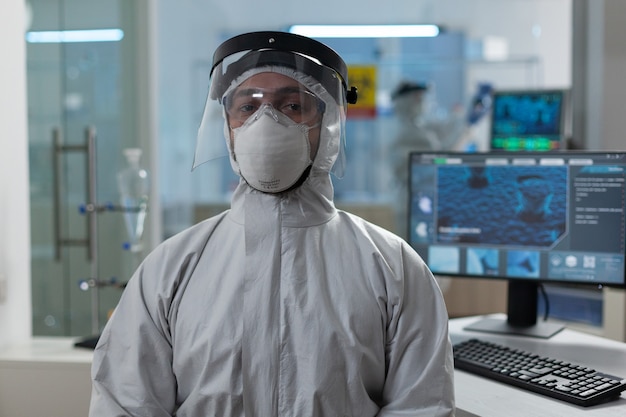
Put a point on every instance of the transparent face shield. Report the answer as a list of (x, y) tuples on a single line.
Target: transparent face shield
[(294, 90)]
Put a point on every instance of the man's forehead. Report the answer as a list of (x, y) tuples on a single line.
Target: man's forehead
[(269, 80)]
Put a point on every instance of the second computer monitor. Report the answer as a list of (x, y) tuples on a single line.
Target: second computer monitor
[(529, 120)]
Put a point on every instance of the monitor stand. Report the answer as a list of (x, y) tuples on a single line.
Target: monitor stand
[(521, 315)]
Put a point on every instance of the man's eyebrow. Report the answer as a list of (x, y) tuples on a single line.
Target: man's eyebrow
[(291, 89), (282, 90), (246, 92)]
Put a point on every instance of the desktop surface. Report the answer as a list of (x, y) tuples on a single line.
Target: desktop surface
[(484, 397), (45, 376)]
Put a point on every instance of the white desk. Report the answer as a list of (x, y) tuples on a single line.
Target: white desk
[(483, 397), (45, 377)]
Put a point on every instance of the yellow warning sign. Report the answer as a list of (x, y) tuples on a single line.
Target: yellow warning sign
[(363, 77)]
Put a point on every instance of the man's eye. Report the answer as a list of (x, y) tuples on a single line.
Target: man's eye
[(291, 107), (243, 109), (247, 108)]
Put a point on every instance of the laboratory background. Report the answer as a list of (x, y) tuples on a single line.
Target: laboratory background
[(98, 135)]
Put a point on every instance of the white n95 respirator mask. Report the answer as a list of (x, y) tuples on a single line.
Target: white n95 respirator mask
[(271, 151)]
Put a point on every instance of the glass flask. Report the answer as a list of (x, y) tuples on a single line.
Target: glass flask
[(134, 187)]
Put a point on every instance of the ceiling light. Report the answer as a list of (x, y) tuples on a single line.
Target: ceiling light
[(63, 36), (365, 31)]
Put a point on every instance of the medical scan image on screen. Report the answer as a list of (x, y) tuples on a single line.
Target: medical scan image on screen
[(545, 216)]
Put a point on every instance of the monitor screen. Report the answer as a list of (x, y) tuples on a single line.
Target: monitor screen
[(527, 217), (529, 120)]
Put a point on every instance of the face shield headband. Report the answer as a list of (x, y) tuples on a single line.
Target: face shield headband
[(295, 56), (283, 49)]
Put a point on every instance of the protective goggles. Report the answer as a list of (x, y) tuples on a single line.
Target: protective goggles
[(300, 105)]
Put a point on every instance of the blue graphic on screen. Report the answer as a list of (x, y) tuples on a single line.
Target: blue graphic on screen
[(523, 206), (482, 261), (522, 264)]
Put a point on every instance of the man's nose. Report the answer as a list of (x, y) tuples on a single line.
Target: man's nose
[(268, 108)]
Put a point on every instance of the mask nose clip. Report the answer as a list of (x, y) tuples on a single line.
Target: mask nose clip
[(266, 108)]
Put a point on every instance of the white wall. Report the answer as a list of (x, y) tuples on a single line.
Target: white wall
[(15, 309), (614, 75)]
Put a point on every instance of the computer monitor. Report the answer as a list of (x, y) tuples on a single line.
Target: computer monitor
[(529, 120), (526, 217)]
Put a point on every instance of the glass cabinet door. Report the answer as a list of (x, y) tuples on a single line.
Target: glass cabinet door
[(81, 98)]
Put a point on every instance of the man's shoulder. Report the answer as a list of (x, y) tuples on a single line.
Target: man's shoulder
[(368, 225), (193, 236)]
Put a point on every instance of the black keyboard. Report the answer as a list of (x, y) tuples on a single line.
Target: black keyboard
[(555, 378)]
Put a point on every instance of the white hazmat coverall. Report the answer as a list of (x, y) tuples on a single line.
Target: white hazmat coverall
[(281, 306)]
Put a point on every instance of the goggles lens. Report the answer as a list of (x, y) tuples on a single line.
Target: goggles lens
[(299, 105)]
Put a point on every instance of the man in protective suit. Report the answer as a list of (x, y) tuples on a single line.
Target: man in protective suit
[(282, 305)]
